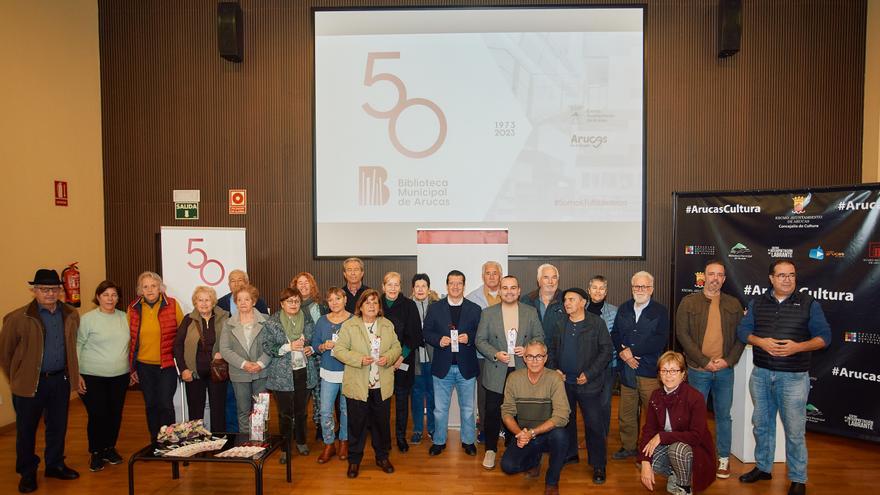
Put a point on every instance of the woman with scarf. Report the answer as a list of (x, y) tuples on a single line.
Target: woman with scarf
[(292, 371)]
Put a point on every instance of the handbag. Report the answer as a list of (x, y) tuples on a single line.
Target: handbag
[(219, 366), (219, 370)]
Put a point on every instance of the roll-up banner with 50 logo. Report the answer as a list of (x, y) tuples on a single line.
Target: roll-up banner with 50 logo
[(200, 256)]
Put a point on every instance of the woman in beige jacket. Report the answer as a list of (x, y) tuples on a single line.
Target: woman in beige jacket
[(368, 347)]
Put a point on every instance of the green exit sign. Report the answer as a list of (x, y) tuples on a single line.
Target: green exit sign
[(186, 211)]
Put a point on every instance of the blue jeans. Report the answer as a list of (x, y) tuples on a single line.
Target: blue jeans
[(423, 399), (329, 392), (787, 393), (465, 388), (516, 459), (721, 385)]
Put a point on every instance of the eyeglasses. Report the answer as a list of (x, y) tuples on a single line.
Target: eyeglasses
[(670, 372), (535, 357), (47, 290), (641, 288), (785, 276)]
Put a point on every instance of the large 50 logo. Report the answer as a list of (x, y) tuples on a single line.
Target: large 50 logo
[(402, 104)]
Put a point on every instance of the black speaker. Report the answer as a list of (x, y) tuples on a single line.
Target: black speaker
[(729, 27), (230, 37)]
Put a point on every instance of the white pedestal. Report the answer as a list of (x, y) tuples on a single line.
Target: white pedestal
[(742, 444)]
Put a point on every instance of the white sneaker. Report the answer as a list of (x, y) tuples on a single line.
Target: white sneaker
[(723, 471), (489, 459), (679, 491), (672, 484), (673, 488)]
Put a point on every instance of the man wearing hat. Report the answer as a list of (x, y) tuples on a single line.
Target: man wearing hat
[(38, 355), (580, 352)]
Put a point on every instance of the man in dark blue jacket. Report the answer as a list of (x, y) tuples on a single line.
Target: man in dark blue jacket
[(640, 335), (451, 328)]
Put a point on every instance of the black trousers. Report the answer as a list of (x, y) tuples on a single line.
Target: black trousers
[(492, 423), (158, 386), (203, 388), (292, 408), (401, 409), (50, 402), (594, 424), (104, 400), (373, 416)]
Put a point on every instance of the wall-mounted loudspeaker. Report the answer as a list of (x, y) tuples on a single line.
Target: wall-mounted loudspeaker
[(230, 38), (729, 27)]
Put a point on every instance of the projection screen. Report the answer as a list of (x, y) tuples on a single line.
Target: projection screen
[(527, 119)]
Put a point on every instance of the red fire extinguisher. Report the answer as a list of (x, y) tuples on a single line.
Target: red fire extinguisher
[(70, 280)]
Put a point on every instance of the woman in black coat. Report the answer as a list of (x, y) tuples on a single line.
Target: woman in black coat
[(404, 314)]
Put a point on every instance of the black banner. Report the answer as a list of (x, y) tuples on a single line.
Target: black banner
[(833, 237)]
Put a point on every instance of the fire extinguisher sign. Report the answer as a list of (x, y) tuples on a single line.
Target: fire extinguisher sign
[(200, 256), (60, 193)]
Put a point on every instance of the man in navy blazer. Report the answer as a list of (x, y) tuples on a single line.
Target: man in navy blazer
[(640, 335), (454, 363)]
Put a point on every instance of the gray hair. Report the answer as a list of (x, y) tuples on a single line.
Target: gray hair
[(537, 342), (247, 279), (497, 265), (642, 274), (547, 265), (355, 260), (153, 275)]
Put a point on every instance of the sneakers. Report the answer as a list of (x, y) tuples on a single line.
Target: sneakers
[(112, 456), (416, 438), (623, 454), (723, 471), (489, 459), (679, 491), (671, 483), (673, 487), (96, 463)]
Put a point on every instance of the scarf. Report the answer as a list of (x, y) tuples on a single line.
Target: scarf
[(293, 325)]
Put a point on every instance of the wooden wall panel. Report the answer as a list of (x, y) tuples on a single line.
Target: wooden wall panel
[(784, 112)]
